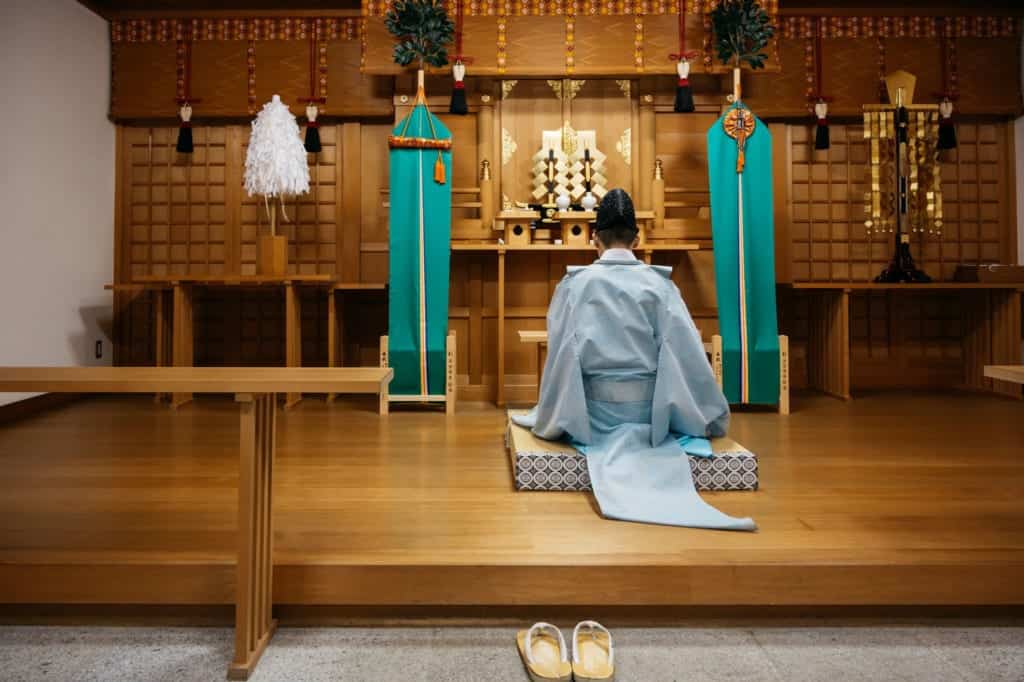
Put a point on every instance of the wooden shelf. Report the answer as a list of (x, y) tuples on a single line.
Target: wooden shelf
[(233, 280), (359, 286), (681, 246), (875, 286)]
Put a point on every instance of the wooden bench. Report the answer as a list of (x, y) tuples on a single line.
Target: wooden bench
[(256, 390)]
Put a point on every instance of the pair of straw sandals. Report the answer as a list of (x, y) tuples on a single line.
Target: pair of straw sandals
[(546, 656)]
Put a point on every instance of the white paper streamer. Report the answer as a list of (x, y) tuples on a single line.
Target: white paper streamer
[(275, 163)]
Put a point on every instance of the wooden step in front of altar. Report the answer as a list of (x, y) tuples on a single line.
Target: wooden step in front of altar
[(897, 499)]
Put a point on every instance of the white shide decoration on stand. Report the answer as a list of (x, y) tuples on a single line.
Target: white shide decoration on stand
[(275, 163), (276, 167)]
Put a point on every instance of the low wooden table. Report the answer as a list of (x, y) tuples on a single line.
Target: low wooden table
[(990, 318), (1012, 373), (173, 302), (256, 390)]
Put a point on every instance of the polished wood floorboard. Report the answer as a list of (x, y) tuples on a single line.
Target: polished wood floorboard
[(893, 498)]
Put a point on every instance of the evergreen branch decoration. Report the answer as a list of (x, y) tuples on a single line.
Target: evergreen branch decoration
[(742, 29), (423, 30)]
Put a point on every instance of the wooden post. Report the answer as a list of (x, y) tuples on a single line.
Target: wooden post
[(293, 336), (717, 364), (450, 376), (486, 200), (182, 342), (162, 322), (783, 374), (254, 622), (501, 328), (335, 357), (384, 393), (658, 197)]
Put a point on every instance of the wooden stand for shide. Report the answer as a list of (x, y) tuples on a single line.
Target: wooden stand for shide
[(272, 250)]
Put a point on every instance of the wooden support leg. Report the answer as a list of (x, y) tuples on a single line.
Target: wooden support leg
[(254, 622), (183, 342), (293, 337), (501, 329), (717, 364), (162, 342), (384, 363), (1006, 337), (783, 374), (828, 343), (334, 354), (450, 375)]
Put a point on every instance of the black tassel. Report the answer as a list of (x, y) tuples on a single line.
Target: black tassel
[(458, 104), (821, 136), (184, 145), (684, 97), (313, 138), (947, 134)]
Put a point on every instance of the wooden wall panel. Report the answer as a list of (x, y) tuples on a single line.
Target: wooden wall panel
[(282, 68), (850, 73), (921, 57), (144, 80), (177, 218), (783, 93), (220, 78), (606, 107), (350, 92), (602, 45), (373, 228), (681, 144), (535, 57), (987, 75)]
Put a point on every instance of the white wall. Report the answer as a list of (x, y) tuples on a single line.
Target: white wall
[(1018, 139), (57, 185)]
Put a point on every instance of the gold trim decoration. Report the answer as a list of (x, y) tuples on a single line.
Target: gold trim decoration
[(568, 138), (250, 63), (501, 58), (626, 87), (508, 146), (638, 41), (570, 43), (557, 86), (402, 142), (624, 146), (506, 88)]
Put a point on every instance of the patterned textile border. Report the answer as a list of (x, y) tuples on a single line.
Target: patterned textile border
[(523, 8), (900, 27), (248, 28), (568, 472)]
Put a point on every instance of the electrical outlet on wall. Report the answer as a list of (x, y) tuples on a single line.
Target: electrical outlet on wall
[(99, 348)]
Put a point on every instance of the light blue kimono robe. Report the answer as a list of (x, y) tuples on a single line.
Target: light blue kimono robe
[(626, 379)]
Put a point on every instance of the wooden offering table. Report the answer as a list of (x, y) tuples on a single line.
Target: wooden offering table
[(990, 330), (256, 390), (645, 251), (174, 305)]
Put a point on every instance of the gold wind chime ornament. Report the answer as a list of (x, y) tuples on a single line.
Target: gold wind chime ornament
[(905, 195)]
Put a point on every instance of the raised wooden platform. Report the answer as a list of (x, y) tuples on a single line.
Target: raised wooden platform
[(893, 499)]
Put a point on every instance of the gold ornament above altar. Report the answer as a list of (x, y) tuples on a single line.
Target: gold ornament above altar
[(919, 198)]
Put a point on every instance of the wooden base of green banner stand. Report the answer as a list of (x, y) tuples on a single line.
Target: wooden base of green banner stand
[(719, 368), (448, 397)]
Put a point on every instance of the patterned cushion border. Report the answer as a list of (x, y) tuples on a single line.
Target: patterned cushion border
[(563, 471)]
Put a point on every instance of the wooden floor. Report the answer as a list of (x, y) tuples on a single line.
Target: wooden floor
[(892, 499)]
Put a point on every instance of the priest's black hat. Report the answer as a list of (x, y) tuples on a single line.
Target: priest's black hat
[(615, 212)]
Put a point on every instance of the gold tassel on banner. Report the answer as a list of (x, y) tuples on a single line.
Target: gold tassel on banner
[(439, 175)]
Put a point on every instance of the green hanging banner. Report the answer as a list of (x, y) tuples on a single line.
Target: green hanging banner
[(743, 231), (420, 237)]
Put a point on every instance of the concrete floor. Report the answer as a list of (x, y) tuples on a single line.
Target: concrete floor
[(943, 652)]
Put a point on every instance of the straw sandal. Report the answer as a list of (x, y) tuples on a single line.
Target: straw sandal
[(544, 653), (593, 656)]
